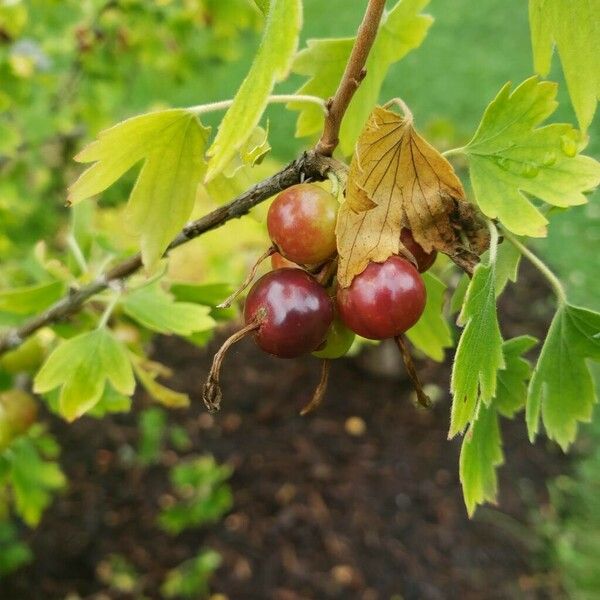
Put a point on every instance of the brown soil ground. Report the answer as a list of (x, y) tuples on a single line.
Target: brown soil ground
[(322, 510)]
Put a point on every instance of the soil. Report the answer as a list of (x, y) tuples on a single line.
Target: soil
[(359, 501)]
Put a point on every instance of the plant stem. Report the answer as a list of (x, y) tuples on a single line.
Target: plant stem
[(493, 242), (201, 109), (453, 152), (353, 75), (422, 397), (540, 265), (77, 253), (319, 393), (110, 307)]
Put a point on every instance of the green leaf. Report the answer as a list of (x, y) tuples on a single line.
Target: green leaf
[(33, 480), (271, 64), (111, 402), (511, 392), (81, 366), (403, 29), (263, 6), (13, 552), (510, 156), (432, 334), (171, 143), (479, 353), (562, 390), (209, 294), (154, 308), (191, 578), (574, 27), (147, 372), (480, 454), (31, 299)]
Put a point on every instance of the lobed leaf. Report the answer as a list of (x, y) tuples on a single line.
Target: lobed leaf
[(480, 454), (154, 308), (511, 391), (479, 353), (402, 29), (271, 64), (81, 367), (172, 144), (431, 335), (510, 156), (574, 27), (31, 299), (561, 390)]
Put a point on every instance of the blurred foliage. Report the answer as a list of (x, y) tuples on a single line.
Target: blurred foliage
[(202, 492), (191, 578)]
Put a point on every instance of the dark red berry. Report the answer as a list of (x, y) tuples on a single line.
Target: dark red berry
[(424, 259), (301, 224), (293, 311), (384, 300)]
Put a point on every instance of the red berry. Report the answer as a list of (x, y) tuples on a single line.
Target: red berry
[(301, 224), (384, 300), (424, 259), (293, 310), (280, 262)]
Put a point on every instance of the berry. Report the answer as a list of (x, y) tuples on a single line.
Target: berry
[(292, 310), (18, 411), (384, 300), (338, 341), (280, 262), (423, 259), (301, 224)]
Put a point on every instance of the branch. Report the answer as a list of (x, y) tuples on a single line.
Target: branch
[(353, 75), (309, 166)]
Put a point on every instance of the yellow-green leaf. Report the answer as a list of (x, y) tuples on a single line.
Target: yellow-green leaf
[(172, 144), (574, 26), (31, 299), (154, 308), (511, 156), (402, 29), (271, 64), (81, 367)]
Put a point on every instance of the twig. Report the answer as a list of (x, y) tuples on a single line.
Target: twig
[(353, 75), (320, 390), (309, 164), (249, 278), (422, 397), (211, 393)]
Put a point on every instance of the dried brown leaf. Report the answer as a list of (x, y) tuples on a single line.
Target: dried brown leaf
[(399, 180)]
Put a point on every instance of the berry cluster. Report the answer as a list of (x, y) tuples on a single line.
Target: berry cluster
[(295, 308)]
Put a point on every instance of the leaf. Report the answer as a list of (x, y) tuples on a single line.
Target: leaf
[(561, 390), (156, 309), (480, 454), (574, 27), (209, 294), (33, 480), (402, 29), (432, 334), (147, 372), (510, 156), (479, 353), (81, 367), (31, 299), (262, 5), (171, 143), (271, 64), (111, 402), (511, 391), (398, 180)]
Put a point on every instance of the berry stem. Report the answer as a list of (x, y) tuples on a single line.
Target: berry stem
[(541, 266), (422, 397), (251, 275), (320, 390), (211, 393), (202, 109)]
